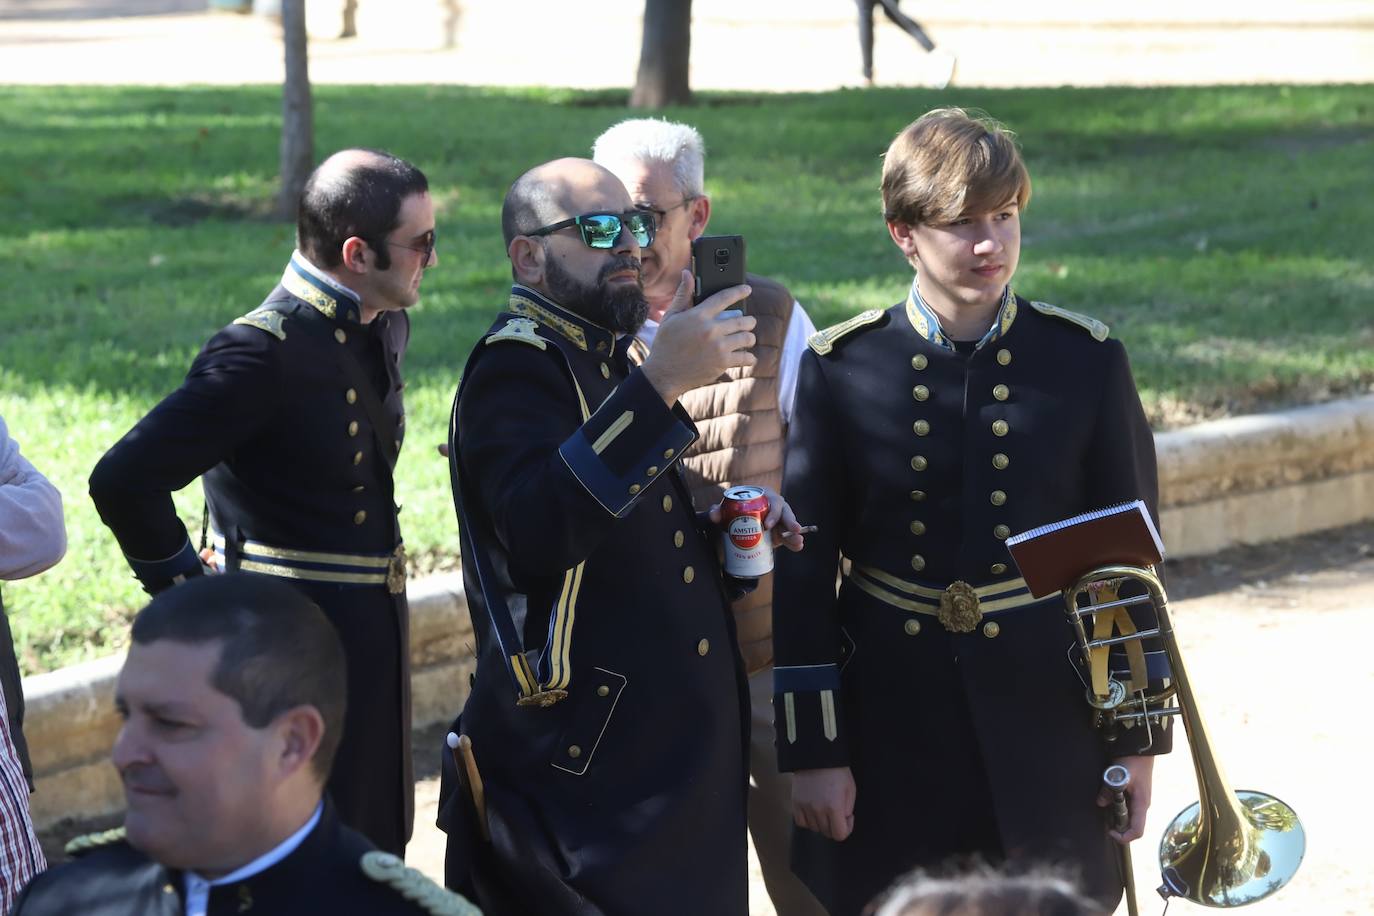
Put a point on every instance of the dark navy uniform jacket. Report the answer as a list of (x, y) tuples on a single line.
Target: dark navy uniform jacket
[(298, 486), (334, 870), (609, 711), (917, 461)]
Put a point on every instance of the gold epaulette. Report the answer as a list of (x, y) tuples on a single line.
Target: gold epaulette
[(824, 341), (521, 329), (93, 841), (1098, 329), (269, 320), (384, 868)]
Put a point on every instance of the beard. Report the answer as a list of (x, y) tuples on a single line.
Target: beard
[(622, 309)]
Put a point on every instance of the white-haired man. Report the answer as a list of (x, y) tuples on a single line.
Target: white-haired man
[(743, 420)]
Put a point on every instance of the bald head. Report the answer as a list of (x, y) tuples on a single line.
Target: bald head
[(556, 191), (354, 192)]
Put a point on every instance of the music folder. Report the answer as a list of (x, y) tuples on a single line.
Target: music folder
[(1052, 557)]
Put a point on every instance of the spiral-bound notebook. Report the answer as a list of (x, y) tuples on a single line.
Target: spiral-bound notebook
[(1053, 556)]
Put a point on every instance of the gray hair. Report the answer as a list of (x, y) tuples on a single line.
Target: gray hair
[(654, 140)]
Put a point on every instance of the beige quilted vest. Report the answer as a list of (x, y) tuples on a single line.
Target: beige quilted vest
[(742, 439)]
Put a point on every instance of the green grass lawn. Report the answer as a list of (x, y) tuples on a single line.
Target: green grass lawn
[(1224, 233)]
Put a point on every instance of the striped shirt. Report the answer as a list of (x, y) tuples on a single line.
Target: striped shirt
[(20, 855)]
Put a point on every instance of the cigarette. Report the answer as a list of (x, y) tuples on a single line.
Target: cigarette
[(806, 529)]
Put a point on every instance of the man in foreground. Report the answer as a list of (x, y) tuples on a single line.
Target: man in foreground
[(609, 716), (233, 699), (933, 709), (293, 414), (743, 416)]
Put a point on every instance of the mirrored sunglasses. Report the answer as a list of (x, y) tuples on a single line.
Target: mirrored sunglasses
[(602, 230)]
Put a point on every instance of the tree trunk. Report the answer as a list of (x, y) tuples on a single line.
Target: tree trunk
[(664, 55), (297, 119)]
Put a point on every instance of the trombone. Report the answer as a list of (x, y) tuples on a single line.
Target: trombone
[(1227, 849)]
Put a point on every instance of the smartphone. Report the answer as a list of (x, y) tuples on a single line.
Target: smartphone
[(717, 264)]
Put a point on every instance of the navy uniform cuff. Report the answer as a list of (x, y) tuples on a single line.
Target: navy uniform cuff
[(806, 708), (160, 575), (631, 440)]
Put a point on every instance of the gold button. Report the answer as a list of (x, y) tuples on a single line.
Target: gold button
[(703, 647), (1000, 427), (605, 371), (667, 504), (918, 562), (920, 427), (339, 335), (918, 495), (353, 428), (168, 889), (574, 752), (679, 539), (1001, 392), (998, 498), (603, 691), (397, 443), (653, 469), (689, 574), (919, 463), (912, 627), (991, 629), (634, 488), (360, 516), (1000, 461), (1004, 357), (918, 527), (1001, 532), (668, 453), (357, 458), (920, 392), (998, 568), (359, 488), (919, 361), (351, 396)]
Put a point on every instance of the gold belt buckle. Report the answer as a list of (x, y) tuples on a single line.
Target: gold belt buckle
[(959, 608), (396, 571)]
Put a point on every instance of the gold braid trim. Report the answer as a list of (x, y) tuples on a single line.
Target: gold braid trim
[(824, 341), (384, 868), (93, 841)]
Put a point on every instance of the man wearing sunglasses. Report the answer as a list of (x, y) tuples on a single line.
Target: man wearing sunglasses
[(293, 415), (662, 164), (609, 716)]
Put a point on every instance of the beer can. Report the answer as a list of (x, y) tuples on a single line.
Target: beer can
[(748, 548)]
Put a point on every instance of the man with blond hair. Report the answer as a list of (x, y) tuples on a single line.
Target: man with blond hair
[(932, 708), (743, 417)]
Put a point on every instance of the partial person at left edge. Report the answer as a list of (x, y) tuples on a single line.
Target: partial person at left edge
[(33, 537), (293, 415)]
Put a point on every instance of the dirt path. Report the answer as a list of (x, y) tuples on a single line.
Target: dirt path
[(763, 45)]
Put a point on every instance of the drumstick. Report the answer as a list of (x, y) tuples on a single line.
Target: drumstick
[(461, 747)]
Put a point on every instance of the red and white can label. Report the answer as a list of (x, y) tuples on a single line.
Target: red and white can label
[(748, 552)]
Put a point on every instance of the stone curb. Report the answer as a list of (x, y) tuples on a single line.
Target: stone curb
[(1239, 481)]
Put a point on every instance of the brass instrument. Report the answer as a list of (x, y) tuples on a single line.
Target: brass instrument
[(1228, 848)]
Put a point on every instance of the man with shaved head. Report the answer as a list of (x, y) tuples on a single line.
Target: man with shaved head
[(600, 763), (293, 416)]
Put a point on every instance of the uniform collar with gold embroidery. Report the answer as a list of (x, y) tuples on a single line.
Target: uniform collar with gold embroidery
[(307, 282), (927, 323), (584, 334)]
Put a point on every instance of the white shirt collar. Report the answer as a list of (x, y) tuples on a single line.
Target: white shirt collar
[(198, 888), (306, 265)]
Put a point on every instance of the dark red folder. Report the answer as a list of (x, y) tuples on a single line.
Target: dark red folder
[(1054, 556)]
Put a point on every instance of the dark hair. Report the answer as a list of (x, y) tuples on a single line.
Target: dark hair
[(279, 650), (984, 891), (361, 198)]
